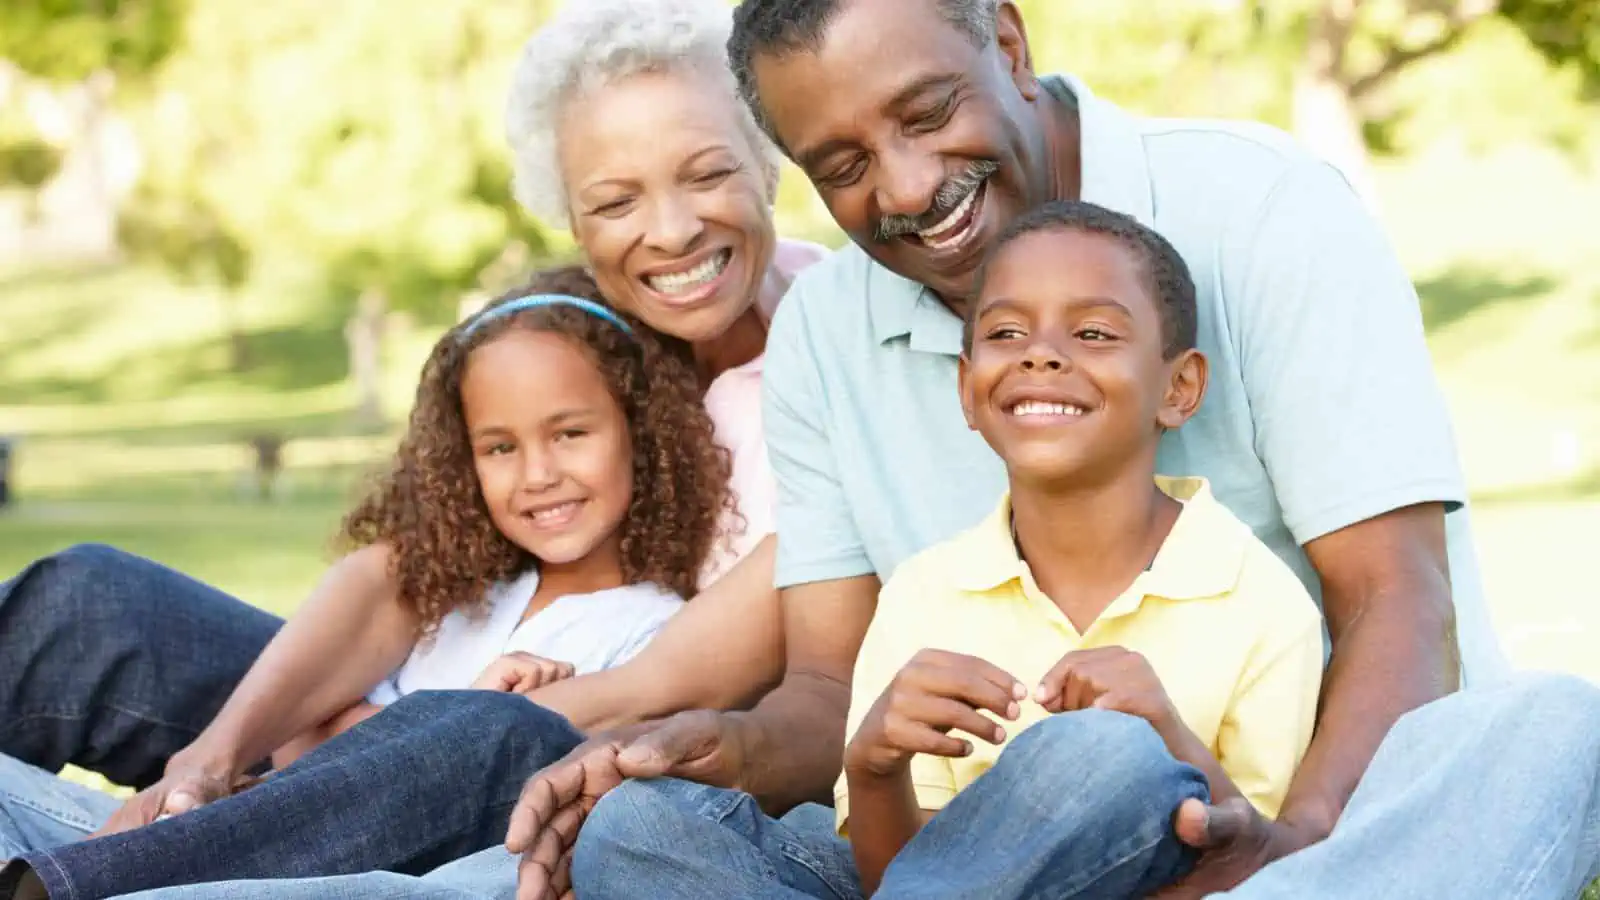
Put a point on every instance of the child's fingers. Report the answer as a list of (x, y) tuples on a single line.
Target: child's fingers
[(909, 736), (972, 681), (944, 714)]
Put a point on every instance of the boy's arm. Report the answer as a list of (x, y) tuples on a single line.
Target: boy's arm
[(884, 817)]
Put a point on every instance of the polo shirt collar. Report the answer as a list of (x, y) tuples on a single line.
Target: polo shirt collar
[(1201, 557), (1116, 175)]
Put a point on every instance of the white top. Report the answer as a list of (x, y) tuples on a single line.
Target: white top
[(590, 631)]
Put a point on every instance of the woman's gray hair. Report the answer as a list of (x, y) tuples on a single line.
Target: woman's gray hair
[(593, 43)]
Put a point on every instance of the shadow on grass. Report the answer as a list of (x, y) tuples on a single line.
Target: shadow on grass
[(282, 359), (1464, 290), (1583, 486)]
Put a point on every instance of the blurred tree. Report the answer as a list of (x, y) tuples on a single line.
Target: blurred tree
[(1355, 49), (69, 40)]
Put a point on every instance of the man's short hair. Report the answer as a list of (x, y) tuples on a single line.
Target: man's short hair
[(1166, 275), (782, 27)]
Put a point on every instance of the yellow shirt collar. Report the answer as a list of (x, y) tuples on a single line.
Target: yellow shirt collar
[(1201, 557)]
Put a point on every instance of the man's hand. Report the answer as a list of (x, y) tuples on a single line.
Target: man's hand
[(700, 746), (520, 673), (935, 693), (178, 792), (1111, 678), (1235, 843)]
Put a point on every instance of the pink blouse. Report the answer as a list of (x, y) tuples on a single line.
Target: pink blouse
[(734, 402)]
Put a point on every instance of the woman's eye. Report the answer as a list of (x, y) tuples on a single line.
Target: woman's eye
[(499, 449), (713, 178), (570, 434), (613, 207)]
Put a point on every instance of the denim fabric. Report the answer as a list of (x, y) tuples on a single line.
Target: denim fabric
[(113, 663), (1420, 826), (428, 780), (1078, 806), (1489, 794), (39, 809)]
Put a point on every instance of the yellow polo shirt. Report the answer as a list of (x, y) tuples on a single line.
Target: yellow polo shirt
[(1228, 628)]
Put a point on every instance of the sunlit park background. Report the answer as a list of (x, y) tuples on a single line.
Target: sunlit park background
[(230, 230)]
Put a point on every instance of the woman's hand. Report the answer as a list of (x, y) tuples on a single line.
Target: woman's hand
[(520, 673)]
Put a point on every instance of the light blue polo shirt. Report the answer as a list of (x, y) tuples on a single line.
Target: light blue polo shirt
[(1322, 408)]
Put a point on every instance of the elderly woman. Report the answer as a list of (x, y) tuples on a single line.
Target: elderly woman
[(626, 127)]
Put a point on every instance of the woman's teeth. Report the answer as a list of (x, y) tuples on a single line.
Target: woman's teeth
[(939, 237), (1040, 408), (688, 280)]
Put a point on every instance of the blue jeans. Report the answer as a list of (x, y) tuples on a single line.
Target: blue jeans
[(1079, 805), (113, 663), (1535, 836), (428, 780), (39, 809)]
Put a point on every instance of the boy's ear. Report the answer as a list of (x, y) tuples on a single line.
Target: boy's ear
[(963, 373), (1186, 387)]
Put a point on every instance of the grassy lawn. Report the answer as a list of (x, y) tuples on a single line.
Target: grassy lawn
[(135, 429)]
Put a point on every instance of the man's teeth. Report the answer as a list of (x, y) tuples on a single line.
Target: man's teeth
[(936, 236), (1041, 408), (553, 513), (678, 282)]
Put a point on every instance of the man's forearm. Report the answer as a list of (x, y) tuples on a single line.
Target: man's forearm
[(1391, 659), (793, 742)]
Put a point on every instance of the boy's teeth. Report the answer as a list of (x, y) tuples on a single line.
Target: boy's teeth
[(1040, 408), (932, 235), (678, 282)]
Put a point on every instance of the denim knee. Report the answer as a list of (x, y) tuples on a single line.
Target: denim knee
[(630, 820), (1060, 743), (64, 576)]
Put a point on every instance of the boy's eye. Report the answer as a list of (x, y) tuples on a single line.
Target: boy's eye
[(1095, 334), (1003, 333)]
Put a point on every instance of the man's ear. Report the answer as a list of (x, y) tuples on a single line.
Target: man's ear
[(1186, 387), (963, 376), (1011, 36)]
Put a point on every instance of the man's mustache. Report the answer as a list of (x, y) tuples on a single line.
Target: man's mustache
[(948, 197)]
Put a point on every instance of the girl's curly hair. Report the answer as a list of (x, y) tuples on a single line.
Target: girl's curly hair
[(447, 552)]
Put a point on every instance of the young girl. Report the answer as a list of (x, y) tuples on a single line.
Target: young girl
[(554, 500)]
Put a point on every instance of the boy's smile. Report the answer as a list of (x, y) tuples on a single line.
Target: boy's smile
[(1065, 376)]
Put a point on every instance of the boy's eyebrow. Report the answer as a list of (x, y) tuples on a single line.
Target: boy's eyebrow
[(1011, 305)]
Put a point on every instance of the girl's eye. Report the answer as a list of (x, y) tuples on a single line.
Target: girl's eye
[(499, 449)]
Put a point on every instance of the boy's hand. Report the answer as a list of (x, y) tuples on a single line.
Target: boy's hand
[(519, 673), (1111, 678), (936, 692)]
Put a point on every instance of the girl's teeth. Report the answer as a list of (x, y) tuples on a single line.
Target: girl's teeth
[(678, 282), (1040, 408), (553, 513)]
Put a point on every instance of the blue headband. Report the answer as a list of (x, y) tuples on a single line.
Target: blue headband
[(532, 300)]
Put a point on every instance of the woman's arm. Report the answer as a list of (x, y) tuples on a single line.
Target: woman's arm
[(350, 633), (723, 651)]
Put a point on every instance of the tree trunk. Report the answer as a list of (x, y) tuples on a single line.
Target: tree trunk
[(364, 339), (1325, 114)]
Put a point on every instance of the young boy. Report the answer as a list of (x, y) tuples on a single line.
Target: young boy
[(1115, 643)]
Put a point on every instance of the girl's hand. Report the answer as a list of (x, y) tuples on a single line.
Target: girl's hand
[(520, 673), (936, 692)]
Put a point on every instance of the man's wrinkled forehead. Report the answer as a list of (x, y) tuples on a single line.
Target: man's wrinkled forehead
[(871, 63)]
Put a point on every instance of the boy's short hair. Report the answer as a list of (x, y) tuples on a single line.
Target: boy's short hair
[(1166, 275)]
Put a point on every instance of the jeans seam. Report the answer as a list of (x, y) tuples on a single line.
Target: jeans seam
[(1118, 861), (147, 718), (61, 874), (63, 816)]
